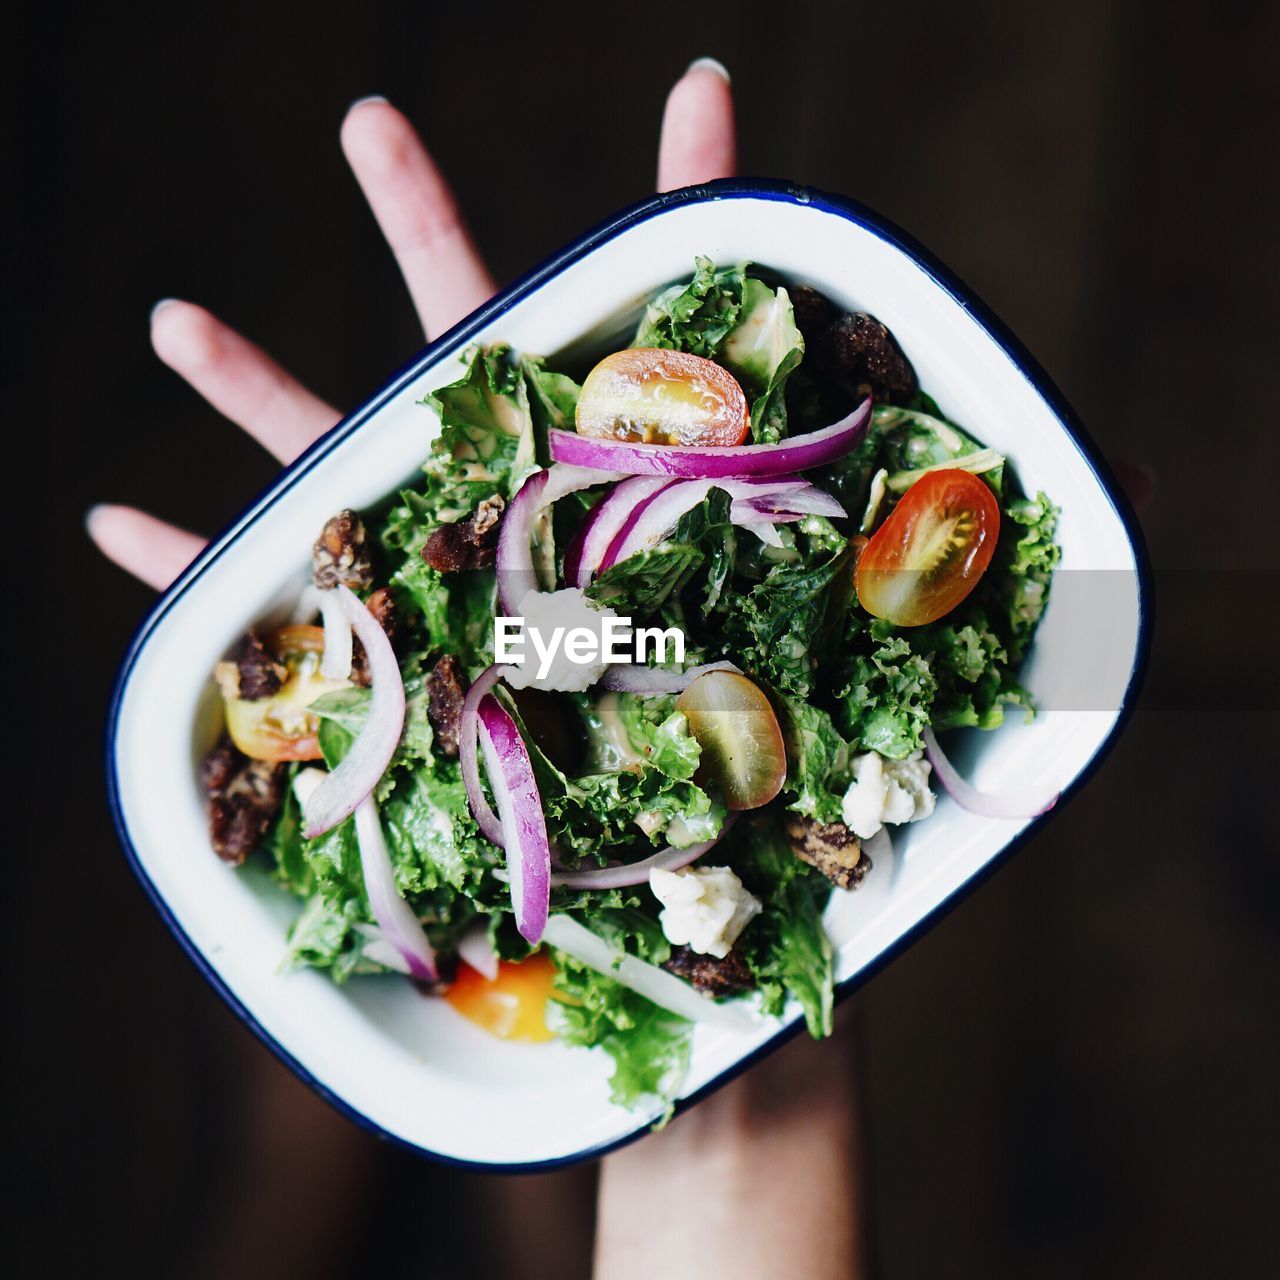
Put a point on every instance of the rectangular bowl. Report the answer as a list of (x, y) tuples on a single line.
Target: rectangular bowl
[(411, 1068)]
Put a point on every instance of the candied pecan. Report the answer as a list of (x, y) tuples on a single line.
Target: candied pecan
[(217, 768), (709, 974), (813, 311), (829, 846), (383, 607), (446, 691), (251, 672), (339, 554), (469, 544), (867, 359), (242, 797)]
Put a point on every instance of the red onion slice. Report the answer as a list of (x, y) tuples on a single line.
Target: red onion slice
[(402, 944), (475, 949), (763, 527), (514, 564), (524, 825), (763, 486), (715, 463), (654, 518), (488, 821), (365, 763), (584, 554), (646, 680), (670, 859), (1011, 805), (808, 501), (335, 662), (664, 989)]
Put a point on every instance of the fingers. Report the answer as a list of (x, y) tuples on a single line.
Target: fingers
[(238, 379), (698, 140), (148, 548), (417, 214)]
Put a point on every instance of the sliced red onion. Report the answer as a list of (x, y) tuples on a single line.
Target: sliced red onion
[(358, 773), (654, 518), (808, 501), (474, 947), (1013, 804), (524, 826), (663, 988), (606, 518), (488, 821), (800, 453), (763, 486), (670, 859), (516, 576), (335, 663), (402, 944), (646, 680), (763, 527)]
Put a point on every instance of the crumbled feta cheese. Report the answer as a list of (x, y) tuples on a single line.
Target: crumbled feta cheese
[(704, 908), (549, 662), (886, 791)]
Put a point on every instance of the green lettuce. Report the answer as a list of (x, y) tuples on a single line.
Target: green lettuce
[(817, 759), (650, 1046), (486, 446), (884, 689), (553, 397), (694, 317), (786, 946), (762, 350), (437, 853), (772, 628)]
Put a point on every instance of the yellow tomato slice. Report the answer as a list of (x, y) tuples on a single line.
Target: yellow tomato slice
[(653, 396), (281, 727)]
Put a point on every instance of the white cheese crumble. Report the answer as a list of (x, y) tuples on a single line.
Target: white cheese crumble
[(552, 658), (704, 908), (886, 791)]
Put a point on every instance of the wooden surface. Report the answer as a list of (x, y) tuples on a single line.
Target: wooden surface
[(1075, 1073)]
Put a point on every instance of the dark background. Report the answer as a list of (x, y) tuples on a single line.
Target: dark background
[(1076, 1072)]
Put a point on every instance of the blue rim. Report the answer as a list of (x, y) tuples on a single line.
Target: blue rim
[(733, 188)]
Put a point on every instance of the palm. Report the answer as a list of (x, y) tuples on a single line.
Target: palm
[(445, 275)]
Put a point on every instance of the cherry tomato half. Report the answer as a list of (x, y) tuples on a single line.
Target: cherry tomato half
[(653, 396), (741, 740), (514, 1005), (931, 551), (281, 727)]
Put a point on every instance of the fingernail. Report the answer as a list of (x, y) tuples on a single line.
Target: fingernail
[(360, 102), (159, 307), (710, 64), (92, 516)]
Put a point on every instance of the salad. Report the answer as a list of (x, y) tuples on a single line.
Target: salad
[(582, 730)]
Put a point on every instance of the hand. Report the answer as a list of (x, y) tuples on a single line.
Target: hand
[(764, 1179), (442, 268)]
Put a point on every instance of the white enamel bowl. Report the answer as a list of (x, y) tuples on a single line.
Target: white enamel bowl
[(410, 1067)]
